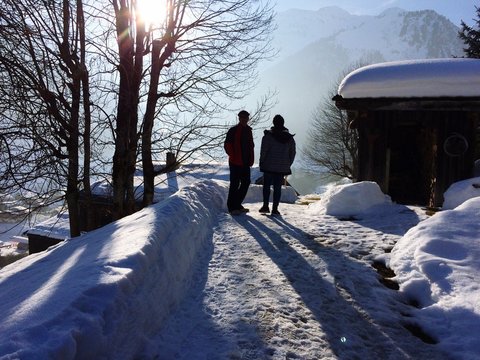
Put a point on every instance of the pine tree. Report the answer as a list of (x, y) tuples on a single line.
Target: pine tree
[(471, 37)]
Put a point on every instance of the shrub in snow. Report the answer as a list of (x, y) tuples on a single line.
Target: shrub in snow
[(460, 192), (351, 199)]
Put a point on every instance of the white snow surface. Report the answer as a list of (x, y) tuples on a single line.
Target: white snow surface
[(457, 77), (183, 279), (461, 191), (349, 199), (437, 266)]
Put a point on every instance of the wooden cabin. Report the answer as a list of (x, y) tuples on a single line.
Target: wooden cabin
[(48, 233), (418, 125)]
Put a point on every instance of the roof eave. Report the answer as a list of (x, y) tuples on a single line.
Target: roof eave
[(447, 103)]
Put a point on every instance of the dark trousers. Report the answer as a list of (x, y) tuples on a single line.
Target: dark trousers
[(276, 180), (239, 183)]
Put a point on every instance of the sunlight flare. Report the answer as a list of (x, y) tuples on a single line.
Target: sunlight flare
[(152, 12)]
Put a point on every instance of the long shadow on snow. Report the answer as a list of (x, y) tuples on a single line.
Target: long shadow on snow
[(348, 326), (197, 330), (59, 276)]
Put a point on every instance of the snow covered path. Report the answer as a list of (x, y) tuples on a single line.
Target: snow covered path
[(293, 287)]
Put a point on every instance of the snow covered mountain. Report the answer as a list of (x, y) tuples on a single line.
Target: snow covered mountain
[(395, 33), (317, 48)]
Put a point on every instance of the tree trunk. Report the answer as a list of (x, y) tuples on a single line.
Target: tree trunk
[(73, 163), (89, 214), (158, 61), (122, 173), (148, 120), (135, 93), (72, 140)]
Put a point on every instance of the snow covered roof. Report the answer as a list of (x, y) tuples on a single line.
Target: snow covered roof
[(431, 78), (56, 227)]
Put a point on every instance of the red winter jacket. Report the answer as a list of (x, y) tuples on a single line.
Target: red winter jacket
[(239, 145)]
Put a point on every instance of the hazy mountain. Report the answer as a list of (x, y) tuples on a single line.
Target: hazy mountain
[(316, 48)]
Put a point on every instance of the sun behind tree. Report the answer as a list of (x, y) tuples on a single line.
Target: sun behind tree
[(152, 12)]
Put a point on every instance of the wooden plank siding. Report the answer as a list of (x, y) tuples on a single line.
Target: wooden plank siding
[(404, 152)]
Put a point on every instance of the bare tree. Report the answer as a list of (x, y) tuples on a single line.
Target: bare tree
[(42, 63), (83, 74), (331, 143), (202, 55)]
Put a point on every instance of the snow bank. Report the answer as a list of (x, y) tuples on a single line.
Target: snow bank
[(437, 264), (88, 297), (351, 199), (460, 192)]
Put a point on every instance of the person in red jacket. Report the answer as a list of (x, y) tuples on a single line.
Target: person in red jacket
[(239, 147)]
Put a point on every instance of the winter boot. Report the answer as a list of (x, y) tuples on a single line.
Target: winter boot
[(275, 211), (264, 209)]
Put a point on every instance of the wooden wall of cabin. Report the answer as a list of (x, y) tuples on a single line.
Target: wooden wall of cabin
[(455, 162), (403, 151), (372, 150), (392, 149), (410, 148)]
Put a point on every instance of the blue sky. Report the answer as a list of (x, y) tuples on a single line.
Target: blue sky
[(455, 10)]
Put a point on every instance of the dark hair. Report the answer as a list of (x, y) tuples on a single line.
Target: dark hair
[(243, 114), (278, 121)]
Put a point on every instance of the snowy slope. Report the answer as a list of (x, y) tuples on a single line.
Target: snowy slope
[(398, 34), (395, 33), (299, 28)]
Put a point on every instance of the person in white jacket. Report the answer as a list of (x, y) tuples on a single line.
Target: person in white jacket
[(277, 154)]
